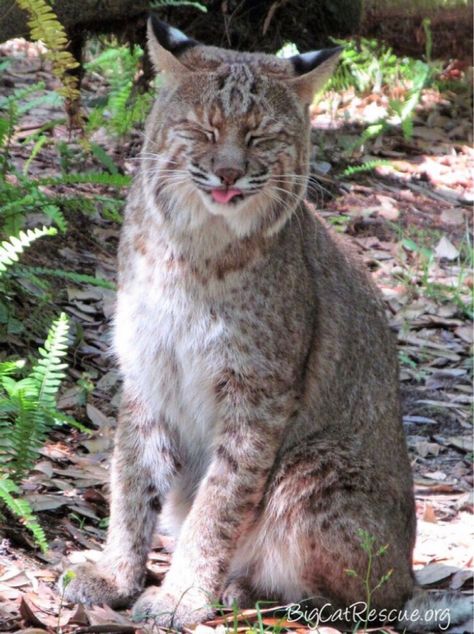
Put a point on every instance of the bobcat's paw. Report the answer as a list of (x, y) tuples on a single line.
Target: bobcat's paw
[(166, 610), (238, 593), (89, 584)]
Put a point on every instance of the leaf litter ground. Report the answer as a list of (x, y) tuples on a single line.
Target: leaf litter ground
[(409, 219)]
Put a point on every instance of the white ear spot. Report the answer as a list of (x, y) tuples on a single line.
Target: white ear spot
[(176, 36), (310, 57)]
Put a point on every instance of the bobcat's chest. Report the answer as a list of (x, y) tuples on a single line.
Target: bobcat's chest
[(170, 347)]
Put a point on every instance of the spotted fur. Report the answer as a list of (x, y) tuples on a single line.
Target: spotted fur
[(261, 409)]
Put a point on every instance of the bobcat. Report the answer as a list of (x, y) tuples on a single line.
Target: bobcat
[(260, 414)]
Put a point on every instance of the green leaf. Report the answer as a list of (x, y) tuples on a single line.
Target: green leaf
[(93, 178), (4, 129), (10, 249), (79, 278), (9, 495), (101, 155)]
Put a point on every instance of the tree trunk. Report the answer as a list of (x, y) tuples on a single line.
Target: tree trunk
[(400, 23), (263, 25)]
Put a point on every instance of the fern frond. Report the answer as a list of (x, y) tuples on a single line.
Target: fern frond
[(368, 166), (9, 494), (22, 438), (10, 367), (49, 370), (62, 418), (125, 105), (34, 398), (78, 278), (49, 99), (15, 209), (102, 156), (33, 401), (20, 94), (118, 102), (45, 26), (92, 178), (4, 129), (56, 215), (10, 249)]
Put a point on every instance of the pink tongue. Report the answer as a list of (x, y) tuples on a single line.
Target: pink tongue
[(221, 196)]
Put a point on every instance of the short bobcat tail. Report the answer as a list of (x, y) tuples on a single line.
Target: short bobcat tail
[(436, 610)]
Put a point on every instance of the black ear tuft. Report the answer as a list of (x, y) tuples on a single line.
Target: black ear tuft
[(173, 40), (306, 62)]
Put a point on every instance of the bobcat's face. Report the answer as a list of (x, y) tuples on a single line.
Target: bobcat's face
[(237, 143), (229, 133)]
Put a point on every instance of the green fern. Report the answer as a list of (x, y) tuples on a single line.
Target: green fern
[(78, 278), (10, 496), (45, 26), (10, 367), (28, 412), (20, 439), (4, 128), (104, 158), (125, 104), (90, 178), (31, 402), (10, 249), (368, 166), (22, 198), (11, 113), (49, 370)]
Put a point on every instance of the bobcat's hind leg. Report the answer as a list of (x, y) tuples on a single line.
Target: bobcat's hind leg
[(308, 534)]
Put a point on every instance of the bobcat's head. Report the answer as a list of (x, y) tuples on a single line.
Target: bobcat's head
[(229, 133)]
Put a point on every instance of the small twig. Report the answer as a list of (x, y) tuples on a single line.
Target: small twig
[(271, 12), (107, 627), (447, 197)]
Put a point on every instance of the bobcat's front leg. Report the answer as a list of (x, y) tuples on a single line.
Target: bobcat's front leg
[(144, 461), (224, 506)]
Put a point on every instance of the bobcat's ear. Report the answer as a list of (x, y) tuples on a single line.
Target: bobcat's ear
[(314, 69), (165, 45)]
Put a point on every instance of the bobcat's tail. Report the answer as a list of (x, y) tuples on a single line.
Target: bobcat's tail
[(436, 610)]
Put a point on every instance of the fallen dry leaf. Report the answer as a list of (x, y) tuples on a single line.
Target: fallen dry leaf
[(436, 475), (460, 578), (466, 333), (79, 616), (464, 443), (429, 514), (105, 615), (107, 628), (446, 249), (97, 417), (424, 448), (433, 573), (32, 615), (453, 216)]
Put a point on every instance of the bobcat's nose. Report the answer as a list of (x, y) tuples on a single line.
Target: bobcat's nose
[(229, 175)]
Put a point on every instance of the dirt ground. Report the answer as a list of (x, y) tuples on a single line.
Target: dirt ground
[(419, 201)]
